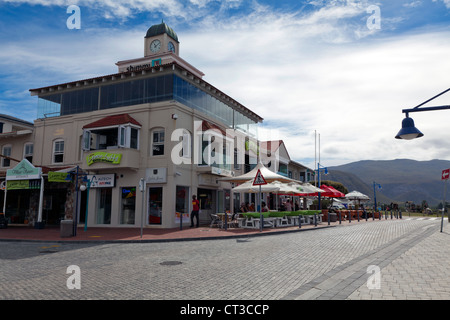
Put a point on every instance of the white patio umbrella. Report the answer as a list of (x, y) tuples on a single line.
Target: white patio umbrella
[(305, 188), (248, 187), (356, 195), (268, 175)]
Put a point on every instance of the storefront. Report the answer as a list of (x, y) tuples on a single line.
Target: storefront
[(23, 195)]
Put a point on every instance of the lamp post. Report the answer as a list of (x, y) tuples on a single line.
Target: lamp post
[(408, 130), (325, 170), (375, 198), (83, 188)]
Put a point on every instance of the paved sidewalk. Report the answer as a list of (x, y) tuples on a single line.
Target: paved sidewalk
[(126, 234)]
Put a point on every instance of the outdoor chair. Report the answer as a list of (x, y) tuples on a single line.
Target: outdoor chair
[(249, 223), (216, 221)]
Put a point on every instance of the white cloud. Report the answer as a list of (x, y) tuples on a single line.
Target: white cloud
[(302, 72)]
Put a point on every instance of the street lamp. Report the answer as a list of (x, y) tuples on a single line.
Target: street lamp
[(83, 188), (375, 198), (408, 130), (325, 170)]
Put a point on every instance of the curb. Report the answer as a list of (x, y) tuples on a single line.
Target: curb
[(254, 235)]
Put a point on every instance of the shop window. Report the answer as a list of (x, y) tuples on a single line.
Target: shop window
[(104, 206), (158, 142), (127, 213), (182, 200), (28, 152), (155, 205), (6, 151), (58, 151)]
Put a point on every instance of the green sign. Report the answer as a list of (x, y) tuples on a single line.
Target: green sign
[(22, 184), (59, 177), (113, 158)]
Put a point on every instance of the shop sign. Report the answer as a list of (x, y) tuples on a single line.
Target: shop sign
[(113, 158), (59, 177), (23, 171), (23, 184), (102, 180), (221, 172), (156, 175)]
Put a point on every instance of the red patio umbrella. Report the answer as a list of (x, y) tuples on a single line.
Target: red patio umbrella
[(331, 192)]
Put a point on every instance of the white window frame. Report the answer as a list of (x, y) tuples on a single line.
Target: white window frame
[(55, 153), (6, 146), (157, 130), (25, 153)]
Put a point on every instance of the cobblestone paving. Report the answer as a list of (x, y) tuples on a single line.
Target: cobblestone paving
[(328, 263)]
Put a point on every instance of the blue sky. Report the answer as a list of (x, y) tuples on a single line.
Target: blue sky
[(308, 68)]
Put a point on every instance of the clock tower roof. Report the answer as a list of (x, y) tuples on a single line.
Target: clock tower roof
[(161, 28)]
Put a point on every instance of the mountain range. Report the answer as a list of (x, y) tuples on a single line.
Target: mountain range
[(401, 180)]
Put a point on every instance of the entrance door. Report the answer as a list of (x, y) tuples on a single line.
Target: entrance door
[(155, 205), (207, 198)]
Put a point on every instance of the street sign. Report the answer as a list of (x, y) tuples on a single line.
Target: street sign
[(259, 179), (445, 174)]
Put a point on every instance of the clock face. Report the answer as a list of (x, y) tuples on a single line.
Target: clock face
[(155, 46), (171, 47)]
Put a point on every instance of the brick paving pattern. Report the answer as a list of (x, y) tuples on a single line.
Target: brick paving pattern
[(321, 263)]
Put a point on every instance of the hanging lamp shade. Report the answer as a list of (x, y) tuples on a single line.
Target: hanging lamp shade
[(408, 130)]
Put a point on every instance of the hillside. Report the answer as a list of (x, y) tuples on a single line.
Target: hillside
[(401, 179)]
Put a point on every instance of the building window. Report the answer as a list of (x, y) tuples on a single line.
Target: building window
[(158, 142), (6, 151), (58, 151), (28, 152), (111, 138)]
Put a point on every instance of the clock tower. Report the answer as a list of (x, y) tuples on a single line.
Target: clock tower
[(161, 48), (160, 39)]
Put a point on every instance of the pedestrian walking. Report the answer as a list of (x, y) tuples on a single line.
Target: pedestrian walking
[(195, 210)]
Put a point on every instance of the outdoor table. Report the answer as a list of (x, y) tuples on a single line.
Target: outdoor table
[(221, 215), (268, 222), (241, 222)]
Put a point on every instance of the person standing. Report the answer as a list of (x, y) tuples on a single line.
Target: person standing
[(195, 209)]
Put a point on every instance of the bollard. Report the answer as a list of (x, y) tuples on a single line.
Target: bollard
[(349, 217), (339, 217), (400, 213), (300, 221), (365, 214), (261, 222), (357, 214), (315, 220), (391, 214)]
